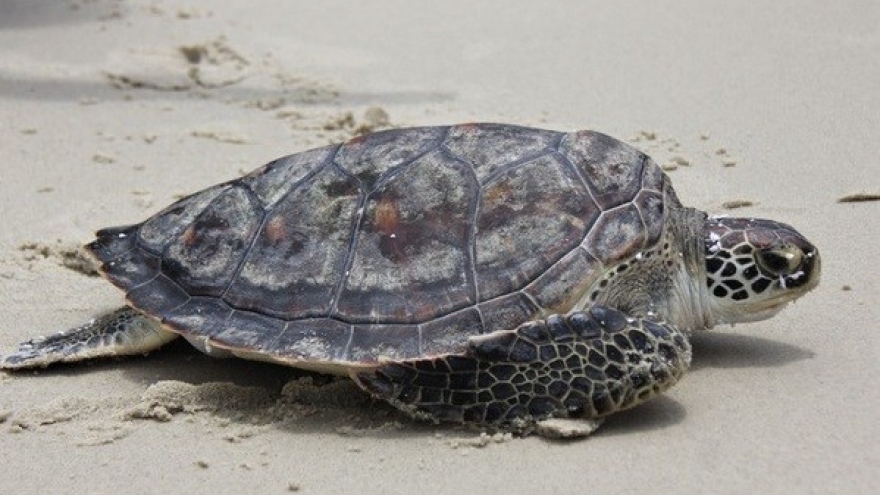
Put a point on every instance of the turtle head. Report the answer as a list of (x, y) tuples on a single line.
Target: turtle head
[(755, 267)]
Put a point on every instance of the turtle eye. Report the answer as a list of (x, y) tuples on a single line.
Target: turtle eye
[(779, 261)]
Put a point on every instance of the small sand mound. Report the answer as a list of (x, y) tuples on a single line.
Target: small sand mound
[(162, 400)]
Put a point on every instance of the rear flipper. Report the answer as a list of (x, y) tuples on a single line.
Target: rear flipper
[(587, 364), (120, 333)]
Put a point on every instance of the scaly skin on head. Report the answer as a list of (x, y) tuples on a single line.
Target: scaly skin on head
[(755, 267)]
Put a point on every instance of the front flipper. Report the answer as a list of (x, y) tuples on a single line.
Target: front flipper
[(587, 364), (120, 333)]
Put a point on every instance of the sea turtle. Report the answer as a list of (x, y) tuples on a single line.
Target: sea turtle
[(480, 273)]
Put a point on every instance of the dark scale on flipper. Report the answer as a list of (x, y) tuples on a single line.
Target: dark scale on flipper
[(626, 361)]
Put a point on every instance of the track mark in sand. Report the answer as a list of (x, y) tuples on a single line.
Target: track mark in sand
[(859, 197), (209, 65), (70, 255), (673, 154), (737, 203)]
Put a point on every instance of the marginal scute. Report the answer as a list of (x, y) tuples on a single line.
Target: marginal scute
[(250, 331), (652, 210), (538, 207), (449, 334), (296, 262), (123, 263), (276, 179), (199, 316), (508, 311), (612, 169), (113, 241), (369, 157), (369, 343), (490, 147), (653, 177), (132, 268), (411, 257), (158, 296), (314, 339)]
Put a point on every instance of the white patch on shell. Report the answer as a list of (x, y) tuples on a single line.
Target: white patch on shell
[(313, 348)]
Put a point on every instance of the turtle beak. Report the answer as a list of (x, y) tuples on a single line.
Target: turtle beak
[(806, 277)]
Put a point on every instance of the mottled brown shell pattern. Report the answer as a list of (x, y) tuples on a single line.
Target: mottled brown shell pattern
[(397, 244)]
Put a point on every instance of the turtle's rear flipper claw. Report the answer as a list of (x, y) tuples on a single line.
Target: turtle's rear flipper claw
[(587, 364), (119, 333)]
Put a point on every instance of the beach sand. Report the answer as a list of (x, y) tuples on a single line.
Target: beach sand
[(109, 110)]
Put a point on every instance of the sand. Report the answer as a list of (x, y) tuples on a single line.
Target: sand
[(112, 109)]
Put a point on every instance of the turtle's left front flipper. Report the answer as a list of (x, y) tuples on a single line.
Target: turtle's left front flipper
[(587, 364), (122, 332)]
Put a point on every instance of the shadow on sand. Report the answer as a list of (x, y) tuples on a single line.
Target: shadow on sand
[(731, 350), (339, 404)]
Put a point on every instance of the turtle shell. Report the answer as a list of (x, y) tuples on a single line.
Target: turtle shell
[(397, 244)]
